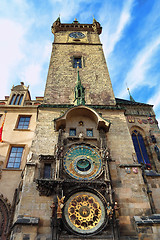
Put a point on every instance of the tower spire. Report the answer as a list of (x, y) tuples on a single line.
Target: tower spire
[(79, 90), (130, 96)]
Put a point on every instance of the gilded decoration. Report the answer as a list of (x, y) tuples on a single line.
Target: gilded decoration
[(82, 162), (84, 212)]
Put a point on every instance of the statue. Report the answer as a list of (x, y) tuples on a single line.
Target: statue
[(116, 210), (53, 207), (109, 210), (105, 153), (60, 206)]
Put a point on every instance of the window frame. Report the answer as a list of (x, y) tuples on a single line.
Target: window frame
[(138, 135), (16, 99), (45, 172), (75, 63), (71, 129), (12, 100), (89, 129), (8, 157), (18, 120)]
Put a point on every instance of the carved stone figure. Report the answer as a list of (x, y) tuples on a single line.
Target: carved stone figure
[(60, 206), (53, 207), (109, 210), (116, 209)]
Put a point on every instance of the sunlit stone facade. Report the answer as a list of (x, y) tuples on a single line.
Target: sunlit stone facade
[(78, 163)]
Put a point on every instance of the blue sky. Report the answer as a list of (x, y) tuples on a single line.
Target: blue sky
[(130, 37)]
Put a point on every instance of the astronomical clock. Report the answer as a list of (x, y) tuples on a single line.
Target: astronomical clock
[(82, 172)]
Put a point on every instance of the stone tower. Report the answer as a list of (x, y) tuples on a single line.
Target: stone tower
[(78, 43), (82, 160)]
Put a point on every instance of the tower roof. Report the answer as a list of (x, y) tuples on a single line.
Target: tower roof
[(76, 26)]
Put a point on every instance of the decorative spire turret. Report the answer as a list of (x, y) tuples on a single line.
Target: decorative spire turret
[(79, 90), (130, 96)]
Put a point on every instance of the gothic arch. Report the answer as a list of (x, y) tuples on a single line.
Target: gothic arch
[(139, 129), (141, 145)]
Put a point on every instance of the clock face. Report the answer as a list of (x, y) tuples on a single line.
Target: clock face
[(84, 212), (82, 162), (76, 35)]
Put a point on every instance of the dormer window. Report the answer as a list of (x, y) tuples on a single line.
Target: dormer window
[(16, 99), (13, 99), (20, 100)]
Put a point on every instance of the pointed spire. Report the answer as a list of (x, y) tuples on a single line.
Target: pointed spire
[(58, 19), (79, 90), (94, 20), (130, 96)]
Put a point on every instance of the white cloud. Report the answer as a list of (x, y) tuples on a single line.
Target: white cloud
[(137, 76), (12, 34), (113, 30), (23, 54)]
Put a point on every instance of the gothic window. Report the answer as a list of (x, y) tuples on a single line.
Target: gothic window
[(89, 132), (77, 62), (72, 132), (23, 122), (15, 157), (140, 148), (47, 171)]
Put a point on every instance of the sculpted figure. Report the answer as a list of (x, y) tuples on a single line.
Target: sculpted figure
[(109, 210), (116, 209), (53, 207), (60, 206)]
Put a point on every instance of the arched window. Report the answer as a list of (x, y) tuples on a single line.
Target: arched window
[(12, 100), (20, 101), (140, 148), (17, 99)]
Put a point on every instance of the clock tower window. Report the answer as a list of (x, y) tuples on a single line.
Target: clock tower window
[(77, 61)]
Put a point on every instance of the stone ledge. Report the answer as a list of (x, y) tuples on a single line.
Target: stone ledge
[(129, 165), (147, 220), (152, 173), (27, 220)]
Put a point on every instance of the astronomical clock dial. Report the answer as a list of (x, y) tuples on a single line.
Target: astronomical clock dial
[(82, 162), (76, 35), (84, 213)]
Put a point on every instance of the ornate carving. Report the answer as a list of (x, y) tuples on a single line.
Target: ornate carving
[(116, 210), (5, 216), (47, 187), (109, 210), (60, 207), (53, 207)]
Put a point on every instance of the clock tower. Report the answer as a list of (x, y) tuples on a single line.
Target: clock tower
[(82, 160), (80, 43)]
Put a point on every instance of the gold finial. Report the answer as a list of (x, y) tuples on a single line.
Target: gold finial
[(75, 19)]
